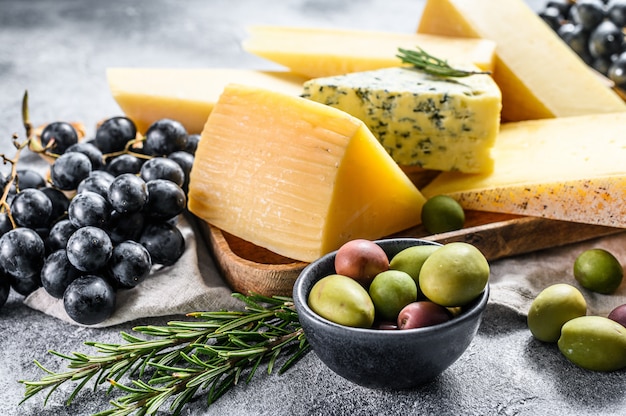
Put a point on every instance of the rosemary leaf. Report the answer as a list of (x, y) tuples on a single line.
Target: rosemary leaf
[(183, 359), (422, 60)]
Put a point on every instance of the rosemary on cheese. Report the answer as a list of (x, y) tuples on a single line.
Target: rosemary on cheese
[(424, 61)]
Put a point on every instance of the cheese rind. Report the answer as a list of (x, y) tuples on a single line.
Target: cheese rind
[(320, 52), (569, 168), (146, 95), (539, 75), (296, 177), (421, 120)]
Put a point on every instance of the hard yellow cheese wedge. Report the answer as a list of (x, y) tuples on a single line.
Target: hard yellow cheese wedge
[(186, 95), (421, 120), (296, 177), (569, 168), (539, 75), (319, 52)]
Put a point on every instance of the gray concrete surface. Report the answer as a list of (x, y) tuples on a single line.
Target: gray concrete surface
[(58, 50)]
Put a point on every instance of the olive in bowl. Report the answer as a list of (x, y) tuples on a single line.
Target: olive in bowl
[(387, 359)]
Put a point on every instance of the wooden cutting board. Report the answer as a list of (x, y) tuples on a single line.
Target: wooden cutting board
[(247, 267)]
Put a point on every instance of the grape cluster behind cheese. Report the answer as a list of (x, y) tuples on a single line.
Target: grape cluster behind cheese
[(594, 30)]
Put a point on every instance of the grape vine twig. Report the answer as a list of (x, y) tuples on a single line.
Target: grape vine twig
[(175, 363)]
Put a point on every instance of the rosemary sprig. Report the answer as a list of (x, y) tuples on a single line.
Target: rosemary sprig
[(173, 364), (422, 60)]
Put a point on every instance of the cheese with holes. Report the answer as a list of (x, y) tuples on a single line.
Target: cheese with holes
[(421, 120), (296, 177), (569, 168), (538, 74), (320, 52), (146, 95)]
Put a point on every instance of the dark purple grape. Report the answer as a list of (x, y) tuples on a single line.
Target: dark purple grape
[(130, 264), (163, 168), (59, 234), (588, 13), (29, 178), (89, 208), (563, 6), (57, 273), (22, 253), (60, 202), (95, 183), (605, 40), (128, 193), (552, 16), (5, 223), (602, 65), (164, 137), (5, 289), (164, 242), (124, 164), (89, 300), (63, 134), (89, 249), (114, 134), (69, 169), (166, 199), (577, 39), (617, 71), (185, 160), (91, 151), (31, 208), (192, 143), (616, 12), (124, 227)]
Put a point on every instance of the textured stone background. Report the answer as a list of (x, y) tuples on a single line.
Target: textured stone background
[(58, 50)]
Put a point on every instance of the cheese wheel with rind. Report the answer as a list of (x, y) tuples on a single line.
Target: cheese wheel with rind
[(568, 168)]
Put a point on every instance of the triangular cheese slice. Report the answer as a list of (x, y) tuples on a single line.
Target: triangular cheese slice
[(569, 168), (539, 75), (321, 52), (296, 177), (146, 95)]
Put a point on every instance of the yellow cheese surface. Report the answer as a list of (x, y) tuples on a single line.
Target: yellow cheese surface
[(570, 168), (538, 74), (296, 177), (146, 95), (320, 52)]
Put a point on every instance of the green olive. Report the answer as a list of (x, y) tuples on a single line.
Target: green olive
[(342, 300), (442, 213), (410, 261), (391, 291), (594, 342), (553, 307), (598, 270), (454, 275)]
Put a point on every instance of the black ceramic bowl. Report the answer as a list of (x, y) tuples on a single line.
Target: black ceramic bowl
[(391, 359)]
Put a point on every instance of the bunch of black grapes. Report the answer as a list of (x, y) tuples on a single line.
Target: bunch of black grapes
[(105, 216)]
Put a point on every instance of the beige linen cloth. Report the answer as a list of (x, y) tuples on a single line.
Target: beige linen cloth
[(194, 283)]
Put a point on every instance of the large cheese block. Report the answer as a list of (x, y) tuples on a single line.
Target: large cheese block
[(296, 177), (187, 95), (421, 120), (321, 52), (570, 168), (539, 75)]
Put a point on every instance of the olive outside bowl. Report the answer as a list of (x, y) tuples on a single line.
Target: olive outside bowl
[(385, 359)]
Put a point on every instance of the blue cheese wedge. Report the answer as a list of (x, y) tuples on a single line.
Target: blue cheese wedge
[(447, 124)]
